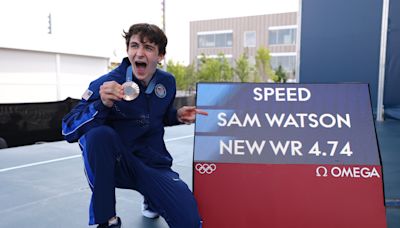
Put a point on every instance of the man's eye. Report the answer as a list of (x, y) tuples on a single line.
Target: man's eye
[(149, 48)]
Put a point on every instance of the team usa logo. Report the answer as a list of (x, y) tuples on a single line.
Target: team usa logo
[(205, 168), (87, 94), (160, 91)]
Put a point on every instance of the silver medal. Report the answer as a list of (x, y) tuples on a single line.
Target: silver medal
[(131, 90)]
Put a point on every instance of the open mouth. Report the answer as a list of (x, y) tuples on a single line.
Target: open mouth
[(140, 67), (140, 64)]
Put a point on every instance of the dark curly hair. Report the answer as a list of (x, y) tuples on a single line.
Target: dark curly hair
[(150, 32)]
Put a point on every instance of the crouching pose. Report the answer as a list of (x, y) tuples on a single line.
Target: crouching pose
[(119, 124)]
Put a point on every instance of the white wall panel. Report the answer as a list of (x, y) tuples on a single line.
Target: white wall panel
[(32, 76)]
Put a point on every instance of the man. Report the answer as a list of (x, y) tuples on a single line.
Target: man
[(122, 139)]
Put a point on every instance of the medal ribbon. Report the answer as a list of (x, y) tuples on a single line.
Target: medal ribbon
[(151, 85)]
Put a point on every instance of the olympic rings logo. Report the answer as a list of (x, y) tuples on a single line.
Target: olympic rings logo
[(205, 168)]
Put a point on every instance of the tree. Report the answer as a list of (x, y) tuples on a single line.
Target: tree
[(242, 69), (179, 71), (185, 76), (280, 75), (208, 70), (225, 69), (263, 65), (191, 78), (215, 69)]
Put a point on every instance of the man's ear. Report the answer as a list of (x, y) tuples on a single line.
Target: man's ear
[(160, 58)]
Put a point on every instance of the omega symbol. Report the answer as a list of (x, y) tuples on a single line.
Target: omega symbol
[(321, 171)]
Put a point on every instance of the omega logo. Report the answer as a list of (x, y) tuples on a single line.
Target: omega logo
[(352, 172)]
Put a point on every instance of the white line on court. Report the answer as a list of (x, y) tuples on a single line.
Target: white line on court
[(178, 138), (71, 157), (39, 163)]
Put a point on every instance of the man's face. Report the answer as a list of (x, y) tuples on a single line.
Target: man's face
[(144, 58)]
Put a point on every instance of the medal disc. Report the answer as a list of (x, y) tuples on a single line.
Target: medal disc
[(131, 90)]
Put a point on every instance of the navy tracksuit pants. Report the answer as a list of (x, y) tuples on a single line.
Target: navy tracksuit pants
[(109, 165)]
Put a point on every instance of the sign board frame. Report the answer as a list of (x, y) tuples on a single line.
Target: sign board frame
[(287, 155)]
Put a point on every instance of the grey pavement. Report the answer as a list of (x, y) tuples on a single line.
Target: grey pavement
[(44, 185)]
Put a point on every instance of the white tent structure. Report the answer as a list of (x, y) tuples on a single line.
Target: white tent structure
[(49, 71)]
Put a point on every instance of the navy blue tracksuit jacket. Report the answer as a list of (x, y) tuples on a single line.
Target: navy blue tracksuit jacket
[(147, 115), (123, 146)]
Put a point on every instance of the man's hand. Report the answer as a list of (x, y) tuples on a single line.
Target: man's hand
[(111, 91), (187, 114)]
